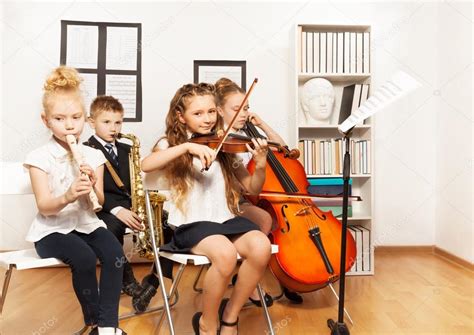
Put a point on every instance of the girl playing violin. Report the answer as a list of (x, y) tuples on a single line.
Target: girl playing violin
[(229, 97), (204, 205)]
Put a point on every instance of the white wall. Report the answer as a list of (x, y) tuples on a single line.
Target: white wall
[(408, 135), (454, 164)]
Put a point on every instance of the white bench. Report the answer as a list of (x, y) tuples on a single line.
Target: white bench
[(15, 181)]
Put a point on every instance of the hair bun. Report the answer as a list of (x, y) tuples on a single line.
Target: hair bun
[(63, 78), (224, 82)]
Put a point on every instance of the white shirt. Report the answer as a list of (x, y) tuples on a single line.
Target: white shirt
[(57, 162), (101, 141), (206, 198)]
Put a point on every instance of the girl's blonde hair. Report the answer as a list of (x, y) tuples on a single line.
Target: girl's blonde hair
[(225, 87), (180, 172), (62, 80)]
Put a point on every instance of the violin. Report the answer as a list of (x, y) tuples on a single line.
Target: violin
[(233, 144)]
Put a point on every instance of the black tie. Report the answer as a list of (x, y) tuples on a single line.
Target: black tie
[(110, 150)]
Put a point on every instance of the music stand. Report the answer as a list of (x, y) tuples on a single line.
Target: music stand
[(339, 327), (393, 89)]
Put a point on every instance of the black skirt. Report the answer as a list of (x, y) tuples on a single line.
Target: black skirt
[(186, 236)]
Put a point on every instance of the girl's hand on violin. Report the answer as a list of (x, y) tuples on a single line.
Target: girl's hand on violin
[(255, 119), (79, 187), (205, 154), (259, 151), (85, 168)]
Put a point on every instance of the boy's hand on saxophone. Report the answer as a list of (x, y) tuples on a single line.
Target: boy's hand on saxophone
[(131, 219)]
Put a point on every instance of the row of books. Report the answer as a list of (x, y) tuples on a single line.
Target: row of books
[(363, 259), (334, 52), (325, 156)]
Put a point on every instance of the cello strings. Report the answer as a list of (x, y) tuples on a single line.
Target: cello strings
[(286, 181)]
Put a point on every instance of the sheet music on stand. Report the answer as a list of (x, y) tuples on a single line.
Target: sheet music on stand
[(393, 89), (108, 57)]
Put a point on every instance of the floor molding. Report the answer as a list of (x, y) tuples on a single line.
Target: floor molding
[(405, 248), (431, 249), (453, 258)]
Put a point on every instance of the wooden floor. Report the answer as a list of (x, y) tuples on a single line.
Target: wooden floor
[(411, 293)]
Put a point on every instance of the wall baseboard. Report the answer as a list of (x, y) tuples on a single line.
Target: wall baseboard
[(432, 249), (405, 248), (453, 258)]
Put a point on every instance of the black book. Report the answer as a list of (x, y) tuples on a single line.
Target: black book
[(346, 102)]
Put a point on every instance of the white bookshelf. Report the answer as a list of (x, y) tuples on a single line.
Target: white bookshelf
[(307, 129)]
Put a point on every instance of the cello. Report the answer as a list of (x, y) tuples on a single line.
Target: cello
[(309, 240)]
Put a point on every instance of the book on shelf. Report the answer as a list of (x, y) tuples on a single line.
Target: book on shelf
[(346, 102), (340, 53), (352, 97), (304, 54), (363, 261), (309, 52), (359, 52), (366, 249), (323, 52), (327, 181), (366, 53), (316, 53), (352, 53), (357, 235), (329, 52)]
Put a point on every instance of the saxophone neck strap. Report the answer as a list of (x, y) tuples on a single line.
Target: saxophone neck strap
[(116, 177)]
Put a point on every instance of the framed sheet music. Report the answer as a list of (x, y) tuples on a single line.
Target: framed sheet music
[(108, 56), (209, 71)]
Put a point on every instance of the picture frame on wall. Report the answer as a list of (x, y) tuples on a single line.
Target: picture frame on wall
[(108, 57), (209, 71)]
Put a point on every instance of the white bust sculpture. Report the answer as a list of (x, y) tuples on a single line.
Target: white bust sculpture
[(317, 100)]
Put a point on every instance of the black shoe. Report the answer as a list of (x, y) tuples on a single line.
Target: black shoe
[(195, 322), (150, 284), (130, 285), (294, 297), (132, 289), (268, 298)]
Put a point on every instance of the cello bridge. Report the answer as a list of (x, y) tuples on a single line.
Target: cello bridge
[(303, 211)]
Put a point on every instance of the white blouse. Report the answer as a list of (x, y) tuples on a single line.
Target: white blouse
[(57, 162), (206, 198)]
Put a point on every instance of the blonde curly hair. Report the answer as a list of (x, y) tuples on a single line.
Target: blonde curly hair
[(61, 81), (180, 170)]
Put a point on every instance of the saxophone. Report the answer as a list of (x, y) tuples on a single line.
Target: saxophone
[(142, 239)]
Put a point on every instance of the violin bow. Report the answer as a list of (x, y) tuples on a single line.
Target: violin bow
[(229, 127)]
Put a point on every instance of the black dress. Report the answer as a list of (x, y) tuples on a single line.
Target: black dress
[(186, 236)]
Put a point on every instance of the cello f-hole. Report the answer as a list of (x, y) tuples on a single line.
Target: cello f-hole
[(286, 220)]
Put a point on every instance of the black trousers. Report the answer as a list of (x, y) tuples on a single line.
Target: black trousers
[(113, 224), (80, 251)]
